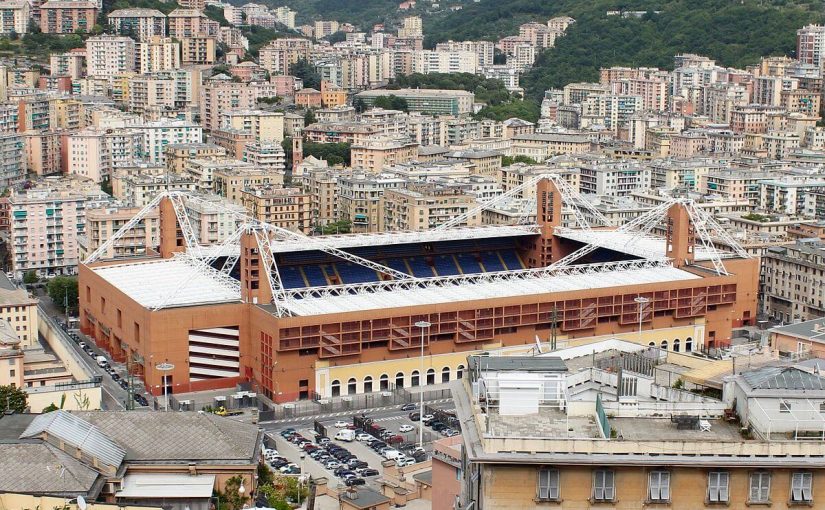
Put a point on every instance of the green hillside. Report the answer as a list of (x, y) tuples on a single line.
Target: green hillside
[(735, 33)]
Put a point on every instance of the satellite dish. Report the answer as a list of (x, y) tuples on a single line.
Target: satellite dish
[(81, 503)]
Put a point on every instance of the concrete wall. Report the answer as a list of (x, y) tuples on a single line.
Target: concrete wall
[(75, 398), (14, 501), (59, 345)]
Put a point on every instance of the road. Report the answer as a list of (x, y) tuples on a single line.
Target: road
[(114, 397)]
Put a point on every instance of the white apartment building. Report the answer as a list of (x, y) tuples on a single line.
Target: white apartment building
[(157, 135), (214, 218), (434, 61), (138, 23), (157, 54), (810, 45), (147, 93), (484, 50), (523, 56), (108, 56), (69, 64), (14, 17), (613, 179), (96, 153)]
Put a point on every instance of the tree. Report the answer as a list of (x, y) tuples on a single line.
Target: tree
[(309, 118), (338, 227), (230, 498), (63, 291), (509, 160), (304, 70), (30, 277), (391, 102), (13, 398)]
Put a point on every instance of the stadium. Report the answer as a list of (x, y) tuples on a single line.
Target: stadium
[(336, 315)]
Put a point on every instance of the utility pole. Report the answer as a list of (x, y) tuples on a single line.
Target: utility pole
[(554, 329), (130, 385)]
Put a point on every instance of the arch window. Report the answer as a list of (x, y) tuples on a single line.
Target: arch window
[(336, 388), (431, 376), (384, 382), (414, 378), (399, 380), (368, 384), (445, 374), (352, 386)]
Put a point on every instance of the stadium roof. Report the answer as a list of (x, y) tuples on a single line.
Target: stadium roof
[(375, 297), (646, 247), (389, 238), (170, 282)]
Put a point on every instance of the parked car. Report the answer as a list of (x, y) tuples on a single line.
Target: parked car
[(355, 463), (115, 377), (364, 437), (452, 433), (287, 432), (406, 428), (427, 418), (409, 407), (323, 440), (352, 482), (369, 472), (405, 461), (396, 439), (415, 416), (332, 464), (390, 453), (286, 467), (82, 345), (341, 424)]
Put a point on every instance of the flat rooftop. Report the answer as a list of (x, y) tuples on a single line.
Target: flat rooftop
[(631, 243), (170, 282), (548, 423), (662, 429), (322, 300)]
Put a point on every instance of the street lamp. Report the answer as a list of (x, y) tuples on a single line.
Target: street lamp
[(166, 367), (641, 301), (422, 325)]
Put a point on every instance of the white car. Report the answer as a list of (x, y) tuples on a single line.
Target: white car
[(341, 424), (405, 461), (391, 453), (406, 428), (364, 437), (284, 469)]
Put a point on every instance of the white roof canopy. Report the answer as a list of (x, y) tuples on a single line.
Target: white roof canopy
[(152, 486)]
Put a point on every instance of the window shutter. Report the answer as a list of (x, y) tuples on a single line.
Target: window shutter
[(609, 486), (598, 485), (806, 487), (554, 484), (654, 485), (713, 486), (665, 485), (765, 486), (796, 487), (544, 483), (723, 486)]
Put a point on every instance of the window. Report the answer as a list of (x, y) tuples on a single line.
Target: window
[(384, 382), (784, 406), (399, 380), (12, 373), (548, 484), (445, 374), (718, 486), (336, 388), (431, 376), (352, 386), (368, 384), (801, 488), (604, 488), (459, 371), (659, 486), (760, 487), (414, 378)]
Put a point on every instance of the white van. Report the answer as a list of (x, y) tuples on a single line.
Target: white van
[(101, 361), (391, 454), (345, 435)]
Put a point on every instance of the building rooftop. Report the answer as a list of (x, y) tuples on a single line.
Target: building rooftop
[(783, 378), (136, 12), (170, 282), (39, 468), (813, 330), (78, 433)]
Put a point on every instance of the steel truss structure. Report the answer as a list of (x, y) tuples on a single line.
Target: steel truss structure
[(570, 197)]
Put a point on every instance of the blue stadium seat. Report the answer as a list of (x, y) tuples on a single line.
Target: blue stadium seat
[(420, 268), (397, 264), (355, 273), (445, 266), (291, 277), (511, 260), (468, 263), (491, 262), (315, 276)]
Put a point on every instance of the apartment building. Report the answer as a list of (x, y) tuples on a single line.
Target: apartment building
[(613, 179), (262, 125), (277, 56), (178, 154), (432, 102), (157, 135), (96, 153), (540, 146), (69, 64), (108, 56), (42, 152), (185, 23), (793, 281), (147, 93), (445, 61), (324, 28), (734, 184), (14, 17), (264, 154), (45, 224), (213, 218), (289, 208), (157, 53), (321, 183), (103, 222), (219, 96), (425, 206), (378, 152), (67, 16), (361, 199), (484, 50), (138, 23), (810, 45), (198, 50), (12, 161), (230, 182), (139, 185), (583, 452), (19, 311)]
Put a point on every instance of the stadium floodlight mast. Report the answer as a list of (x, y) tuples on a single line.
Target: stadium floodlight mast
[(423, 326)]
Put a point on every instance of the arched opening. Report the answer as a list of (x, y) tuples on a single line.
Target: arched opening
[(676, 345), (459, 371), (652, 344), (384, 382), (368, 384), (688, 344), (336, 388), (445, 374), (431, 376), (414, 379), (352, 386), (664, 345), (399, 380)]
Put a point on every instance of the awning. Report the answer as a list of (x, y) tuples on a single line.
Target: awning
[(151, 486)]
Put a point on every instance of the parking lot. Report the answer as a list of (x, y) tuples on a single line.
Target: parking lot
[(401, 433)]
